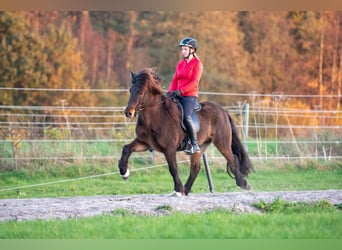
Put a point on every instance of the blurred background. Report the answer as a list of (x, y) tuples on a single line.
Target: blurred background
[(64, 79)]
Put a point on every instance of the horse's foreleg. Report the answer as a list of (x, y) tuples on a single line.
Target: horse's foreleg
[(194, 170), (173, 168), (127, 150)]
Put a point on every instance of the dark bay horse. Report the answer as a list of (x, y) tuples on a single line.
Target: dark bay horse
[(159, 128)]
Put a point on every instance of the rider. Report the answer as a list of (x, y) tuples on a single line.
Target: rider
[(184, 86)]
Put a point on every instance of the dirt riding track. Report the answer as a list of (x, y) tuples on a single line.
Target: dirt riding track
[(151, 204)]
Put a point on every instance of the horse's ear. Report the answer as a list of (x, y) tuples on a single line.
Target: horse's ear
[(132, 75)]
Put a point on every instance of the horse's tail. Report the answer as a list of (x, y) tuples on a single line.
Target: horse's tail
[(241, 156)]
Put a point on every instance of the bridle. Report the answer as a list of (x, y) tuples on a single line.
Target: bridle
[(142, 107)]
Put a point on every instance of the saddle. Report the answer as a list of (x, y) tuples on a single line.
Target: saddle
[(186, 141)]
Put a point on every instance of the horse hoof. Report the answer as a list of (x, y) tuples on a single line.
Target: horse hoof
[(126, 175), (246, 187), (175, 194)]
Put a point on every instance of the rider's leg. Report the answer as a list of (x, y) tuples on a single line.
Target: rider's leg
[(188, 103), (190, 127)]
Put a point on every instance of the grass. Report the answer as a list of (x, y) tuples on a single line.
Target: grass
[(67, 181), (278, 220), (316, 221)]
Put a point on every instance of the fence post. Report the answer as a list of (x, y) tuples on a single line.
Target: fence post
[(207, 170), (245, 124)]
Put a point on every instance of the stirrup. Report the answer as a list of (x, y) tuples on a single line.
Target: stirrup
[(193, 150)]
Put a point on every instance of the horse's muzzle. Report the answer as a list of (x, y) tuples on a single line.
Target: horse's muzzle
[(130, 112)]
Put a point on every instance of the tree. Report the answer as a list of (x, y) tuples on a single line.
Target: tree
[(269, 46), (306, 40), (19, 58), (31, 60), (317, 38)]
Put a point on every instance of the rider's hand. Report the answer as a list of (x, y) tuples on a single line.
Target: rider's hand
[(175, 93)]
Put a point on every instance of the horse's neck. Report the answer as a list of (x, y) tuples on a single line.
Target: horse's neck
[(160, 111), (151, 112)]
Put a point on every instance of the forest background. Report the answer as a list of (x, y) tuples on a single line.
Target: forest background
[(287, 52)]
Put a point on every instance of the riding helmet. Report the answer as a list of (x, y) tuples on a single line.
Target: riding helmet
[(189, 42)]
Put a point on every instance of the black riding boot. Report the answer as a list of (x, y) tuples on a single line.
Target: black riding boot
[(190, 127)]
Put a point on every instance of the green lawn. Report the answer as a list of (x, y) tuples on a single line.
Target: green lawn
[(68, 180), (147, 176), (311, 224)]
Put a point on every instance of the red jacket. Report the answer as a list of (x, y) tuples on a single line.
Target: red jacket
[(187, 77)]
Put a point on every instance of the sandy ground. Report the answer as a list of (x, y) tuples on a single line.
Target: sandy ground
[(151, 204)]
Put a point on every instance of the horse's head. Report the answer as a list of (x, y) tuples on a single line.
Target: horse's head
[(145, 85)]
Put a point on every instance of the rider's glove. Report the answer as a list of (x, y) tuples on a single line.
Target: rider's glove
[(175, 93)]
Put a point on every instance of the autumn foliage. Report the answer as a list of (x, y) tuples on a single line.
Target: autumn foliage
[(282, 52)]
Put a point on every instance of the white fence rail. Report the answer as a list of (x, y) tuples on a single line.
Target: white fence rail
[(32, 135)]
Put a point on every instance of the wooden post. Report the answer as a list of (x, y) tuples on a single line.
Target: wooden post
[(245, 124)]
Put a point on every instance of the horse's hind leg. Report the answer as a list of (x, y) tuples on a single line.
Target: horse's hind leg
[(232, 165)]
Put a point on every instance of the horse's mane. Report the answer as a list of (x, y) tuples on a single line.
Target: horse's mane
[(150, 77)]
